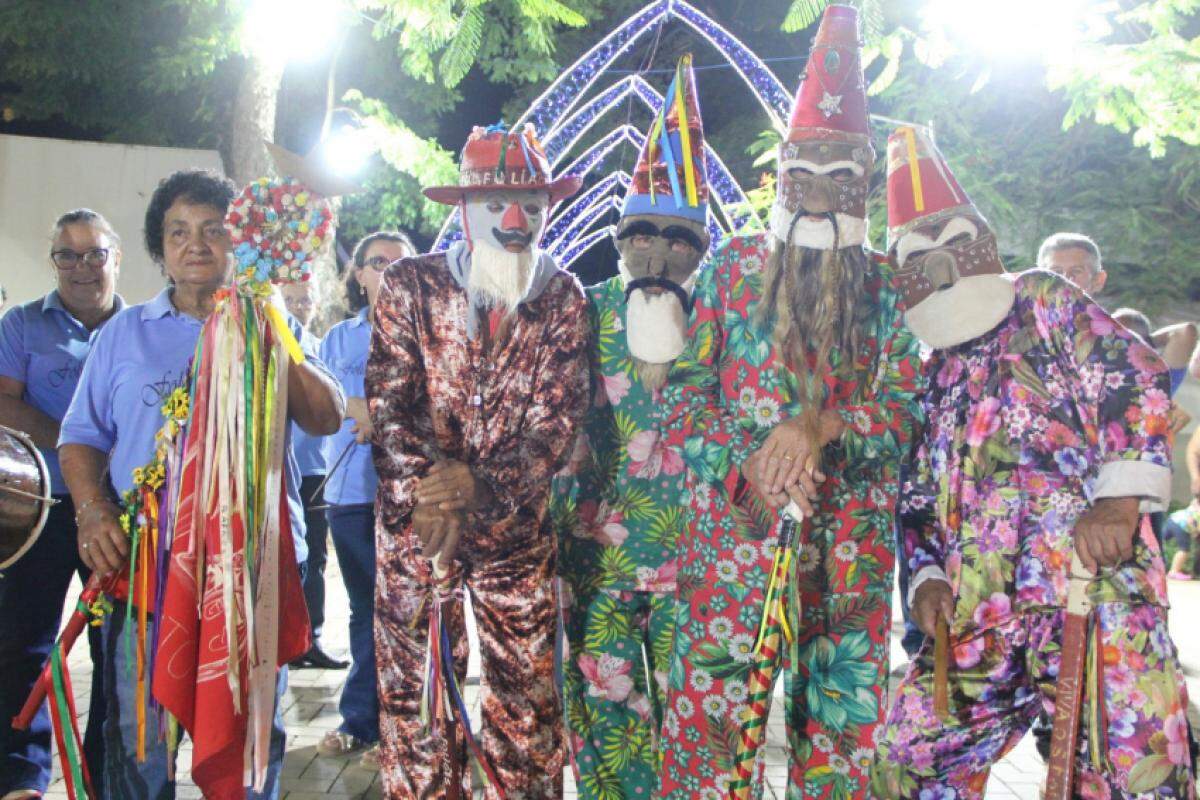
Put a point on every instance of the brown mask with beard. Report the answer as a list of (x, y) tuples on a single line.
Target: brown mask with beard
[(817, 179), (659, 257), (954, 285)]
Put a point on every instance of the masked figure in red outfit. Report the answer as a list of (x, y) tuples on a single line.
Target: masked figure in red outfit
[(798, 384), (477, 381)]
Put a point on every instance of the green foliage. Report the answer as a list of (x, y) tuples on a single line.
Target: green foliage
[(440, 40)]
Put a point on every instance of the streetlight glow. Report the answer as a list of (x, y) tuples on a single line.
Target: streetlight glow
[(1045, 29), (283, 31), (347, 150)]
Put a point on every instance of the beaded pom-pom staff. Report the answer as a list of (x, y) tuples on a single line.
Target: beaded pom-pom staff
[(208, 525)]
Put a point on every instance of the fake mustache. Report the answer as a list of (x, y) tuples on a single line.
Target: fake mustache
[(829, 215), (505, 238), (658, 282)]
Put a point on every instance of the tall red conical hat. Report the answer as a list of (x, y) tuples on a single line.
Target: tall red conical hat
[(920, 186), (832, 100), (670, 175)]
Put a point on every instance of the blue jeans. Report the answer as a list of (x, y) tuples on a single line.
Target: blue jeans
[(32, 592), (353, 531), (126, 778)]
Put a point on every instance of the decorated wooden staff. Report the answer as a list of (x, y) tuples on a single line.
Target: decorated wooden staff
[(773, 630), (1068, 697)]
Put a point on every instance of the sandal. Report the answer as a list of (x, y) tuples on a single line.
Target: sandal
[(337, 743)]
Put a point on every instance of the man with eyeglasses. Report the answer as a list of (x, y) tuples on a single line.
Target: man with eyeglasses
[(43, 345)]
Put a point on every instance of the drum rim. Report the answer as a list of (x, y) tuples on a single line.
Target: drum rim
[(46, 501)]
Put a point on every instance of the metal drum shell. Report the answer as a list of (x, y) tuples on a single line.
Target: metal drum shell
[(24, 494)]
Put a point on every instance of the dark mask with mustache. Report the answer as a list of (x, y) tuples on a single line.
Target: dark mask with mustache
[(655, 282), (663, 258)]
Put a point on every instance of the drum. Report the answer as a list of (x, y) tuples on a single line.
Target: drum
[(24, 495)]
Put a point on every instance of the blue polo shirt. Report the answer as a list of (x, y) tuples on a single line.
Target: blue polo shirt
[(140, 357), (308, 448), (44, 347), (344, 351)]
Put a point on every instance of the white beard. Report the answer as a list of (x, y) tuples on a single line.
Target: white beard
[(817, 233), (499, 278), (967, 310), (655, 327)]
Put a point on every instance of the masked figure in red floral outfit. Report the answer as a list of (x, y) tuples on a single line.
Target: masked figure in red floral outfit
[(477, 381), (797, 384)]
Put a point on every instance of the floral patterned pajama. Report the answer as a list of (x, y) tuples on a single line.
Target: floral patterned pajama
[(728, 389), (1056, 407), (617, 509), (511, 415)]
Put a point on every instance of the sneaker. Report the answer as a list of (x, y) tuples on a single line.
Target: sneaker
[(22, 794), (336, 743), (370, 758)]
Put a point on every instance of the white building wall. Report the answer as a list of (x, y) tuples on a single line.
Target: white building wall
[(42, 178)]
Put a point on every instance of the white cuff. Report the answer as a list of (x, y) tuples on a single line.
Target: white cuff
[(929, 573), (1142, 479)]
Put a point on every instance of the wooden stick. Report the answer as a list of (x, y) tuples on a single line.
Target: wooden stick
[(941, 666)]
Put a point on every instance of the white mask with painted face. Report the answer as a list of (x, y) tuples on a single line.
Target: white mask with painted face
[(502, 229)]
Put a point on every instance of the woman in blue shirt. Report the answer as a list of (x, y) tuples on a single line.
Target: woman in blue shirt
[(350, 493), (43, 345), (140, 357)]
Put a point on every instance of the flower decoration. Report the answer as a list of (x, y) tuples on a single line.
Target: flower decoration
[(275, 227)]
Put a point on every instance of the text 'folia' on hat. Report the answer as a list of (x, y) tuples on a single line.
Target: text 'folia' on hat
[(920, 186), (670, 175), (832, 100), (495, 158)]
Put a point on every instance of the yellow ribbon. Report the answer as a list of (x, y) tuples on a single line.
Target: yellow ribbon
[(914, 168), (284, 333), (685, 135)]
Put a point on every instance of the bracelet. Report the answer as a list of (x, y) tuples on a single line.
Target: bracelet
[(98, 498)]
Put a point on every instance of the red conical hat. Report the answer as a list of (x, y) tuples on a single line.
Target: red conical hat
[(495, 158), (832, 100), (672, 182), (920, 186)]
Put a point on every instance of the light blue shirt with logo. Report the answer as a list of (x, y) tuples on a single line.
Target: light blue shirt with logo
[(344, 350), (44, 347)]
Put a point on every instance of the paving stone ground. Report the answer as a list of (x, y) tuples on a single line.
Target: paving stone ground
[(311, 709)]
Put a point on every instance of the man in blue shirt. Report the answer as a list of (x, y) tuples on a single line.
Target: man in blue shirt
[(43, 346)]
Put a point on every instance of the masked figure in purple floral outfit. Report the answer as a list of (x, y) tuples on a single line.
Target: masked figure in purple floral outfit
[(1047, 427)]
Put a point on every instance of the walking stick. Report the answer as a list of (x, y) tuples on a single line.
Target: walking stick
[(941, 664), (768, 648), (1069, 695)]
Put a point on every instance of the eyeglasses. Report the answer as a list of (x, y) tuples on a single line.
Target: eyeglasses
[(378, 263), (95, 258)]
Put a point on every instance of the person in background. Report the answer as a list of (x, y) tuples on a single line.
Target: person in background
[(109, 429), (350, 493), (301, 299), (1184, 525), (43, 345)]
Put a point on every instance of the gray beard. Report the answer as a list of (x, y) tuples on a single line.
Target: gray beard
[(652, 376), (499, 279)]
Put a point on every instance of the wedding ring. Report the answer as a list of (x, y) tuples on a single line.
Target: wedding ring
[(86, 545)]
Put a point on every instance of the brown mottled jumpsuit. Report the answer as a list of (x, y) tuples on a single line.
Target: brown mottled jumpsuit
[(511, 416)]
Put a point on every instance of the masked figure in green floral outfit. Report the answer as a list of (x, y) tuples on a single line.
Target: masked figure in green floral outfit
[(618, 505)]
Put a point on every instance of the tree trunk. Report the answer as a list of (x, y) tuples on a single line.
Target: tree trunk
[(253, 121)]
